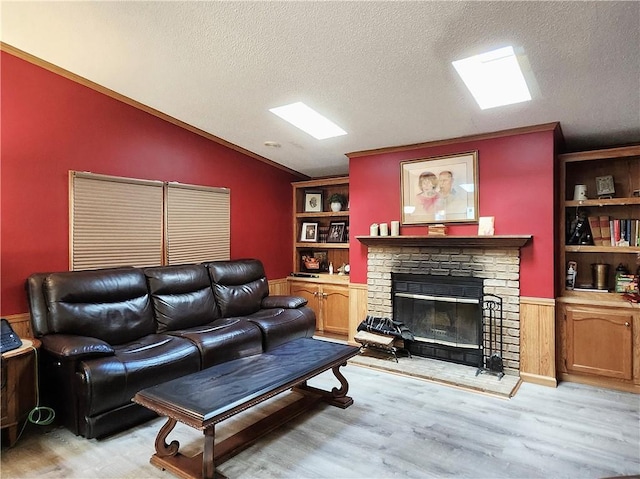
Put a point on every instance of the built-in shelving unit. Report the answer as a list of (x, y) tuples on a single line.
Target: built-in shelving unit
[(582, 168), (327, 294), (597, 330), (337, 253)]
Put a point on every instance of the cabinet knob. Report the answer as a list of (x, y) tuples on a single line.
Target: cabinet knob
[(627, 324), (324, 295)]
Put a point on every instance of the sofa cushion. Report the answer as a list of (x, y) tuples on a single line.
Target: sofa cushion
[(280, 325), (37, 303), (239, 286), (112, 381), (109, 304), (224, 340), (181, 296)]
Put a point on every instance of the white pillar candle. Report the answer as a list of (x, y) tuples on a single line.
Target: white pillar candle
[(395, 228), (384, 229), (373, 229)]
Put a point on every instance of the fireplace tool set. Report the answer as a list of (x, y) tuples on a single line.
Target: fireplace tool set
[(492, 326)]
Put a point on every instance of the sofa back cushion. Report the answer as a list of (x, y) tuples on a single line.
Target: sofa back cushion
[(181, 296), (239, 286), (111, 304), (37, 304)]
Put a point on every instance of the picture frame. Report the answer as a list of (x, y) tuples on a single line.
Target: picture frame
[(336, 232), (313, 201), (309, 232), (605, 186), (308, 263), (441, 189), (323, 258)]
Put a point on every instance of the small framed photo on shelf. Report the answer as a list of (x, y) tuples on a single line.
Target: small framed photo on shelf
[(605, 186), (309, 263), (313, 201), (486, 226), (309, 232), (336, 232), (323, 259)]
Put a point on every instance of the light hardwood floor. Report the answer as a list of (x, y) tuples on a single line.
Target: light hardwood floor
[(398, 427)]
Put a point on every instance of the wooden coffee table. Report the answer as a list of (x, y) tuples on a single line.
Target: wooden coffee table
[(203, 399)]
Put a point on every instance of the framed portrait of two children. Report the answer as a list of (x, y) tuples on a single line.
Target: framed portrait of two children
[(440, 190)]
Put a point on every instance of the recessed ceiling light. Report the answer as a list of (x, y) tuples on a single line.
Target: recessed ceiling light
[(308, 120), (494, 78)]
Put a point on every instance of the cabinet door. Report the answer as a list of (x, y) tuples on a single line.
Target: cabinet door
[(311, 293), (599, 342), (335, 308)]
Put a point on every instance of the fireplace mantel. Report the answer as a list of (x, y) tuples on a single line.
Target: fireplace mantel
[(500, 241)]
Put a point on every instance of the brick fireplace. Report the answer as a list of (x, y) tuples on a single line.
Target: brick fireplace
[(496, 262)]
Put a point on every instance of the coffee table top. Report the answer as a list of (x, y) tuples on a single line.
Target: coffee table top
[(218, 392)]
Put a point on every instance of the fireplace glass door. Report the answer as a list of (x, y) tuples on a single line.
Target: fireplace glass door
[(448, 321)]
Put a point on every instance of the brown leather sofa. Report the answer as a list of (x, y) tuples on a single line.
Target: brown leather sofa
[(108, 333)]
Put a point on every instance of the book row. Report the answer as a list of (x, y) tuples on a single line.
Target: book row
[(607, 231)]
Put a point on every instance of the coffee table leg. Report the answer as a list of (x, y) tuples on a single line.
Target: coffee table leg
[(340, 397), (337, 397), (208, 465), (344, 385), (162, 448)]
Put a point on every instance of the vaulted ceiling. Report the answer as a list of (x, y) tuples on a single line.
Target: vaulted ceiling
[(380, 70)]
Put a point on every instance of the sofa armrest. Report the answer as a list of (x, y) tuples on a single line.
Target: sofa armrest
[(283, 301), (70, 347)]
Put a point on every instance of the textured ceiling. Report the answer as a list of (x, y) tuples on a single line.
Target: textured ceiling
[(380, 70)]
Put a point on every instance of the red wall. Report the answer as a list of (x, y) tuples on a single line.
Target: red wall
[(515, 185), (51, 125)]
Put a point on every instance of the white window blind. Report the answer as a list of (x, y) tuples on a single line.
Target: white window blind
[(115, 221), (197, 224)]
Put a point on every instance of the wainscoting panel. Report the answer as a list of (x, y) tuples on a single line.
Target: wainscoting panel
[(537, 341), (278, 287), (357, 307)]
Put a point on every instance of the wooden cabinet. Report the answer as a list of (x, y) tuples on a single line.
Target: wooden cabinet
[(18, 396), (329, 298), (599, 341), (598, 329)]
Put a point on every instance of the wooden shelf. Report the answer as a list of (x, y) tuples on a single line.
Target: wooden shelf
[(324, 214), (311, 244), (605, 202), (322, 278), (601, 249), (603, 154), (504, 241), (605, 298)]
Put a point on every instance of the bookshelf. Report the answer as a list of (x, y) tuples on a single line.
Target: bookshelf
[(327, 294), (597, 329)]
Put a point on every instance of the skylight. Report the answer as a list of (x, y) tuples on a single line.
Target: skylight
[(308, 120), (494, 78)]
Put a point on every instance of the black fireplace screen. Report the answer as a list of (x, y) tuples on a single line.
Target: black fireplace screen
[(445, 315)]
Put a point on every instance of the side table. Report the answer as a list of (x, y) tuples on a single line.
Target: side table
[(18, 395)]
